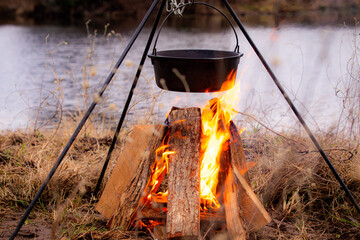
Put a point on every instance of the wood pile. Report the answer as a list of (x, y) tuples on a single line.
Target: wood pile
[(125, 200)]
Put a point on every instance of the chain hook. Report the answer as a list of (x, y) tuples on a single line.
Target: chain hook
[(171, 5)]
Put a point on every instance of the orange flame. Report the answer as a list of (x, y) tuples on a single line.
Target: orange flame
[(216, 118), (159, 169)]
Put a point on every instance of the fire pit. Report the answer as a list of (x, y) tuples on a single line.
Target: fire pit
[(191, 181)]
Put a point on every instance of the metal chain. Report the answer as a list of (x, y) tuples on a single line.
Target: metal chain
[(177, 5)]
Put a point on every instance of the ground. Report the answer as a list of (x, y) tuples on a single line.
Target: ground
[(290, 178)]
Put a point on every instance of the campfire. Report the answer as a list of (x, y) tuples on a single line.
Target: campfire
[(186, 178)]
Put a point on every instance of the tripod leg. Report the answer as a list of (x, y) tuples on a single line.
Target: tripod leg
[(127, 103), (292, 106), (83, 120)]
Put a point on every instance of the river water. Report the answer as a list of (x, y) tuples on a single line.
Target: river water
[(45, 69)]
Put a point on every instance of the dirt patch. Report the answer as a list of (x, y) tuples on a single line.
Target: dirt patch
[(32, 229)]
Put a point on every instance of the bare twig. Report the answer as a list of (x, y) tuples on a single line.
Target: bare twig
[(332, 149), (207, 232), (262, 124)]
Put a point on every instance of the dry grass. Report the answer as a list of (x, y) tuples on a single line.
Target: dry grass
[(298, 188), (26, 159)]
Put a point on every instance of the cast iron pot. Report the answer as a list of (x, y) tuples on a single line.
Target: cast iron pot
[(194, 70)]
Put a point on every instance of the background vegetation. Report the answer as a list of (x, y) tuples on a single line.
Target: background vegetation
[(108, 10)]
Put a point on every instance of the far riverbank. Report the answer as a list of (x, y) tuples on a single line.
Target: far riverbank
[(261, 12)]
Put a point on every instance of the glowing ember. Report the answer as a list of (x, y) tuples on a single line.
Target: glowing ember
[(149, 224)]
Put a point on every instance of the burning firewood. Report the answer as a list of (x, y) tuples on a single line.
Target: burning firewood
[(130, 200), (193, 175)]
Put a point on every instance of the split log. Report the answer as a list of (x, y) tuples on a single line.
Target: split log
[(254, 213), (224, 164), (233, 213), (135, 191), (237, 151), (124, 170), (183, 212)]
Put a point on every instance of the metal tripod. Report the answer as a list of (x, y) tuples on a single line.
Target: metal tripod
[(130, 94)]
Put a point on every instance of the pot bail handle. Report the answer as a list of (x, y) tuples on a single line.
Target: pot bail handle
[(199, 3)]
